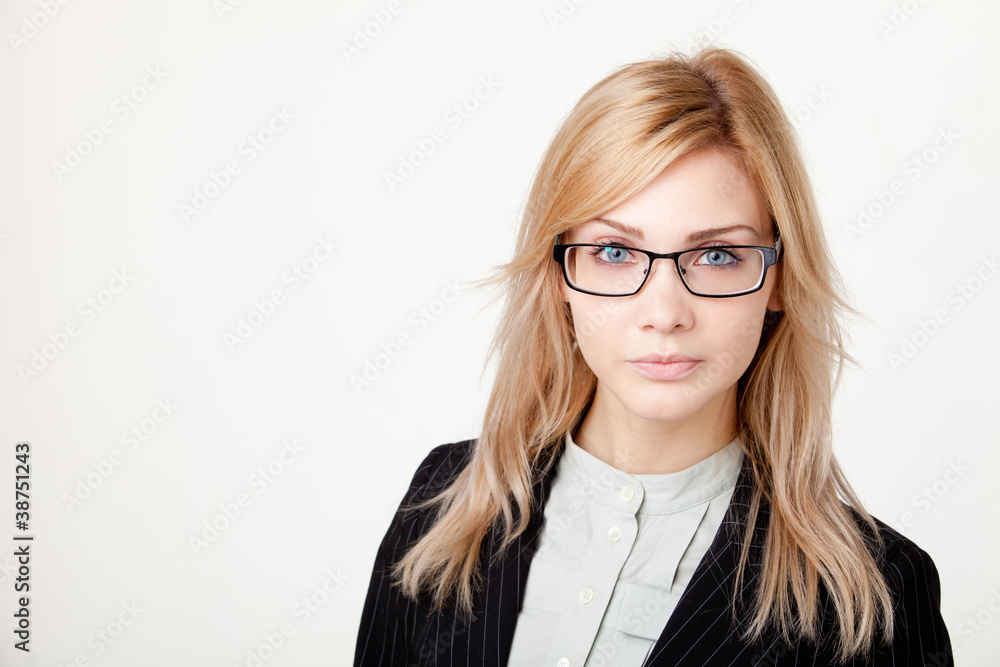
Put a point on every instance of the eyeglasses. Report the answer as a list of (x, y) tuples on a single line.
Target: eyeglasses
[(713, 271)]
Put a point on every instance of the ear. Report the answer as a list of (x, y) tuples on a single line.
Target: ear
[(774, 303), (563, 290), (561, 282)]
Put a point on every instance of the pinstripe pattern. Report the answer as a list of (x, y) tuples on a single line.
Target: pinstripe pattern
[(398, 632)]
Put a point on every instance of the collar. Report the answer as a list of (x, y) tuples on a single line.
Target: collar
[(652, 494)]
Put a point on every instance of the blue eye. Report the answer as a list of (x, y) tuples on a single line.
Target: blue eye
[(614, 254), (717, 258)]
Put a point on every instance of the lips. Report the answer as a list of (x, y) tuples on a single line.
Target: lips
[(660, 367), (660, 359)]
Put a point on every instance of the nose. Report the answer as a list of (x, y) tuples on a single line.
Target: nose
[(664, 302)]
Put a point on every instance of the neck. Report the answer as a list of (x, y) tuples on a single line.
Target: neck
[(639, 446)]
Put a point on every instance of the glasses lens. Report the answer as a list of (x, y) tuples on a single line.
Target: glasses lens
[(610, 270), (722, 270), (617, 271)]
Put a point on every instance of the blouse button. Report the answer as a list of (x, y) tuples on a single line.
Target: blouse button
[(614, 534), (627, 493), (563, 662), (586, 595)]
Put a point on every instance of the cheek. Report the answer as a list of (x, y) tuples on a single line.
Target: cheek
[(595, 322), (737, 341)]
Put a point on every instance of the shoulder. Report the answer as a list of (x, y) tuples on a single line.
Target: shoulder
[(893, 552), (435, 473), (908, 569), (919, 633), (913, 581), (903, 562), (438, 469)]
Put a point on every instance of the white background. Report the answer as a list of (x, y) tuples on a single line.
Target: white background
[(869, 95)]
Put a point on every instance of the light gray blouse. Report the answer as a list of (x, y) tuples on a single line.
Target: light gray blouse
[(615, 554)]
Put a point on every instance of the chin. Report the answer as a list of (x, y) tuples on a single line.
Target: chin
[(664, 406)]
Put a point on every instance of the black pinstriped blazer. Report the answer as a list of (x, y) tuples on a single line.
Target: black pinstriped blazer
[(398, 632)]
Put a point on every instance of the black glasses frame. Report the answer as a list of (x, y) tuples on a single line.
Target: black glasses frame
[(770, 258)]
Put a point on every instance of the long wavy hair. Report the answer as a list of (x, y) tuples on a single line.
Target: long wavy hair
[(621, 134)]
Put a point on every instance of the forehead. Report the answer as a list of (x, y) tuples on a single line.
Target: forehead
[(699, 191)]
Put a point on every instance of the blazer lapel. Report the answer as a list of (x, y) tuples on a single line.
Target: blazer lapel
[(701, 630), (499, 602)]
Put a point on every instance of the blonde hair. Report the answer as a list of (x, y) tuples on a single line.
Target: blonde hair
[(622, 133)]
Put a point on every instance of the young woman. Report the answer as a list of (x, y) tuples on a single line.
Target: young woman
[(655, 482)]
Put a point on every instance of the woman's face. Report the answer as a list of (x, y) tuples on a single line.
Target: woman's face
[(699, 192)]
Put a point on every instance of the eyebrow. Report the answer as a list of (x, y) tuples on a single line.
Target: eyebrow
[(694, 237)]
